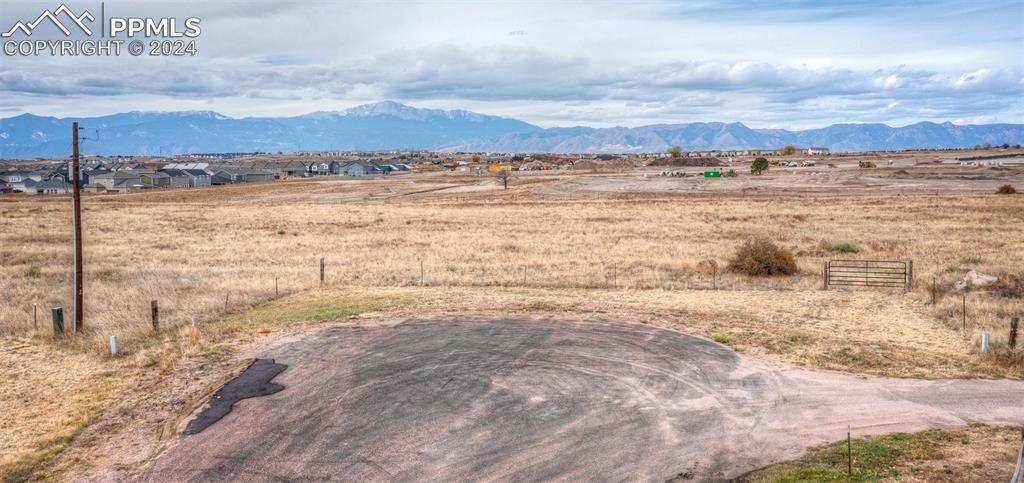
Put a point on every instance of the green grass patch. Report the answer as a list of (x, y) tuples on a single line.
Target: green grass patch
[(841, 247), (799, 339), (874, 459), (309, 309), (722, 339)]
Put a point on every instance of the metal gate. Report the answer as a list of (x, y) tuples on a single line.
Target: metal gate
[(869, 273)]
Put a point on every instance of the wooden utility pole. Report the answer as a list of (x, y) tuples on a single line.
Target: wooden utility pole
[(76, 206)]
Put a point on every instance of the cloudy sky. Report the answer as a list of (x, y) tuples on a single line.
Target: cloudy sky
[(783, 63)]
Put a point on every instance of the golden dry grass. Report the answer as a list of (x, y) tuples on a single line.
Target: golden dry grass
[(202, 253), (618, 246)]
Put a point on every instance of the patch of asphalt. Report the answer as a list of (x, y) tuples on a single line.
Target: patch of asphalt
[(543, 399), (254, 382)]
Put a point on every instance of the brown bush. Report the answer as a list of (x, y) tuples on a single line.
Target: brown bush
[(707, 266), (762, 257), (1006, 190), (1008, 285)]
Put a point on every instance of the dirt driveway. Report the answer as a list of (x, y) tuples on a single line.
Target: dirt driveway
[(543, 399)]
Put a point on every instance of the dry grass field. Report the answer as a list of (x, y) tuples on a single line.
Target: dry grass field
[(626, 246)]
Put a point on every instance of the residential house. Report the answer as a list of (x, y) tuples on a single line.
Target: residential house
[(294, 169), (226, 176), (323, 168), (14, 176), (23, 185), (237, 175), (359, 168), (89, 173), (178, 178), (817, 151), (156, 179), (52, 186), (320, 168), (290, 169), (117, 181), (197, 178), (257, 176)]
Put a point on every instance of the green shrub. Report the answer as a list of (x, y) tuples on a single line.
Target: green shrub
[(1006, 190), (32, 272), (759, 165), (762, 257), (722, 339), (841, 247)]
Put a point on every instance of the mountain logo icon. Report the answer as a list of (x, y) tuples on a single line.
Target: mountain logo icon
[(78, 21)]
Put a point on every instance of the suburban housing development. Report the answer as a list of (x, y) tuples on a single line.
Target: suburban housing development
[(121, 176)]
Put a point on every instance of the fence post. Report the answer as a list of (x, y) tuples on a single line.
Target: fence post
[(321, 271), (984, 342), (277, 293), (849, 452), (934, 291), (421, 272), (35, 317), (1014, 324), (910, 275), (824, 275), (964, 310), (58, 320), (155, 310), (113, 346)]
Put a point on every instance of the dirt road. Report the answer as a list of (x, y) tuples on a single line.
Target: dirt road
[(543, 399)]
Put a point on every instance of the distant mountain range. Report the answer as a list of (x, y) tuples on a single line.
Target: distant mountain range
[(390, 125)]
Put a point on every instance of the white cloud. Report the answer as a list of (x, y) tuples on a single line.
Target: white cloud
[(795, 64)]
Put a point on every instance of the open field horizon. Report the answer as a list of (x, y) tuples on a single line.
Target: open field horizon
[(203, 250), (620, 245)]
